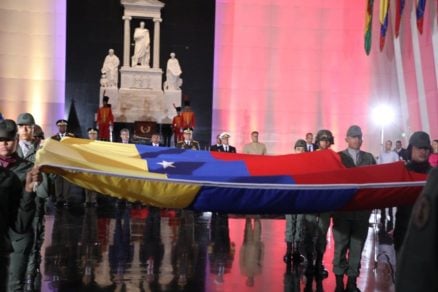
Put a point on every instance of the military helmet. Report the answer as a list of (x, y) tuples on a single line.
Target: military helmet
[(25, 119), (8, 130), (324, 135)]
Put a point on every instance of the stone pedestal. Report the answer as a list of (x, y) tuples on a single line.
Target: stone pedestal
[(111, 92), (172, 97), (140, 105), (141, 78)]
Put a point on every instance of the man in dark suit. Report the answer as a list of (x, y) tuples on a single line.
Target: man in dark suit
[(217, 145), (155, 140), (226, 147), (310, 146)]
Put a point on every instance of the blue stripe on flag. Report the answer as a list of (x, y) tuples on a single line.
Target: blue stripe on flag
[(275, 201), (175, 162)]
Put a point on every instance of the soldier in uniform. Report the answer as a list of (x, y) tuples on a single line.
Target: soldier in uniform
[(177, 126), (38, 136), (293, 232), (62, 187), (16, 208), (105, 120), (188, 116), (417, 263), (418, 151), (26, 147), (350, 229), (62, 130), (91, 196), (24, 244), (316, 225), (188, 142), (225, 146)]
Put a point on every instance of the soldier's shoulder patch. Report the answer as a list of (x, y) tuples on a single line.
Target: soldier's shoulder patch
[(421, 212)]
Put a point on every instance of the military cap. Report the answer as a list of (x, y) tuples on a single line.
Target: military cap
[(25, 119), (178, 108), (105, 98), (61, 122), (8, 130), (354, 131), (188, 130), (300, 143), (420, 139), (224, 135), (92, 131)]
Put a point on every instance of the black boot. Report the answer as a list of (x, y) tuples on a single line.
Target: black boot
[(339, 283), (321, 272), (288, 256), (308, 287), (351, 285), (297, 257)]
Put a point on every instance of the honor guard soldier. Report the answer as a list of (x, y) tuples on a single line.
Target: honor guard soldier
[(350, 229), (62, 130), (62, 187), (316, 226), (27, 148), (225, 147), (26, 244), (188, 142), (177, 126), (417, 265)]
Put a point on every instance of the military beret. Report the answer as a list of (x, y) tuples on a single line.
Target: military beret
[(420, 139), (25, 119), (8, 130)]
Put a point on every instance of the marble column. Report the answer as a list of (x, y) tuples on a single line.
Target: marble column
[(156, 64), (126, 40)]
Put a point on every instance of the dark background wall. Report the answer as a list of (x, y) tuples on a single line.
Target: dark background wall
[(94, 26)]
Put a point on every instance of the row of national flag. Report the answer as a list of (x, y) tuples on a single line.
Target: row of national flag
[(420, 6), (165, 177)]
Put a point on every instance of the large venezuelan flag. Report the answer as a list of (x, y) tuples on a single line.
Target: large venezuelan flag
[(224, 182)]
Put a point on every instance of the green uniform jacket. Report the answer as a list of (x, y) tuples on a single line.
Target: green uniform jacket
[(363, 159), (17, 208)]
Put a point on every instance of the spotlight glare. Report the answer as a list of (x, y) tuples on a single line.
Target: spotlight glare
[(383, 115)]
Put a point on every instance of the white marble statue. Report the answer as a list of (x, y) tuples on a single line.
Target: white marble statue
[(142, 46), (173, 73), (110, 69)]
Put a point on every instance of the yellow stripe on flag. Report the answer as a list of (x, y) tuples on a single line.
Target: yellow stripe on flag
[(383, 10), (113, 169)]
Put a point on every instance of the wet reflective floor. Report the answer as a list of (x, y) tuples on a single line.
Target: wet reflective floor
[(147, 249)]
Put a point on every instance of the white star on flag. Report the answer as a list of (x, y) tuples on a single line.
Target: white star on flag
[(166, 164)]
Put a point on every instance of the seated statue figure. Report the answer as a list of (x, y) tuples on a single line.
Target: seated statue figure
[(111, 69), (142, 46), (173, 72)]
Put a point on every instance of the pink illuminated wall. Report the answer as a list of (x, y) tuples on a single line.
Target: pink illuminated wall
[(32, 58), (287, 67)]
